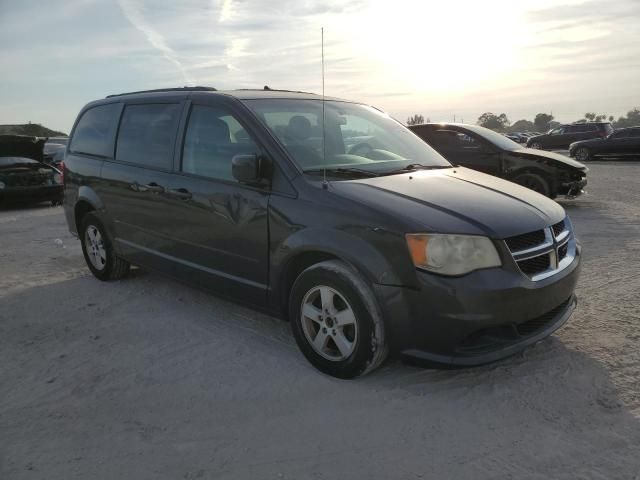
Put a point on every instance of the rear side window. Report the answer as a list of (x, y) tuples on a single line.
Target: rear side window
[(94, 132), (147, 134)]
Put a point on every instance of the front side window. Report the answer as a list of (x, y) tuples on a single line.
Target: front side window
[(94, 133), (147, 133), (213, 137), (556, 131), (351, 136)]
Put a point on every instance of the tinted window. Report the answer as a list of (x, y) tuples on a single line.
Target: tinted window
[(214, 136), (452, 140), (635, 133), (94, 131), (147, 134)]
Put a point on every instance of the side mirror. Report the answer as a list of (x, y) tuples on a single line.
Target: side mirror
[(249, 169)]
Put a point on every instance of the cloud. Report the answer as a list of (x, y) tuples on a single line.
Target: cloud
[(133, 12)]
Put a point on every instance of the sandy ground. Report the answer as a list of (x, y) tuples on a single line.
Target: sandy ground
[(149, 379)]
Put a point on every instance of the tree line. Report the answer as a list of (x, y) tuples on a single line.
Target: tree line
[(541, 122)]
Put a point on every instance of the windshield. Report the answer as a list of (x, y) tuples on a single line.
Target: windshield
[(500, 141), (356, 137)]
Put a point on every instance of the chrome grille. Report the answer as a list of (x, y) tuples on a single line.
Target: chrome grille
[(558, 228), (534, 265), (543, 253), (527, 240)]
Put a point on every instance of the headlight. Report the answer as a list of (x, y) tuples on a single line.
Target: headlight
[(57, 178), (1, 185), (452, 254)]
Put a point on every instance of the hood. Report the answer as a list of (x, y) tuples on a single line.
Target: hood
[(21, 146), (21, 164), (455, 200), (532, 153)]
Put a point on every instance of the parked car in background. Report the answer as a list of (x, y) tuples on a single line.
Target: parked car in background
[(23, 175), (515, 136), (366, 246), (624, 142), (562, 136), (481, 149)]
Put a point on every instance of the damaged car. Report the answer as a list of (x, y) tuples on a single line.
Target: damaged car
[(23, 174), (479, 148)]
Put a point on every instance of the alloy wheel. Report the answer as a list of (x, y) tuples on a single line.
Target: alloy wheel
[(329, 323), (582, 154), (95, 247)]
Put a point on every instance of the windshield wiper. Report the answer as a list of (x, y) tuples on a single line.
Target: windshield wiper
[(415, 166), (342, 171)]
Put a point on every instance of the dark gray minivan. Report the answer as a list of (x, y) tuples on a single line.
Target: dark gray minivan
[(326, 212)]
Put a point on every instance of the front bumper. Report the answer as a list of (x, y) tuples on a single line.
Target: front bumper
[(574, 188), (478, 318)]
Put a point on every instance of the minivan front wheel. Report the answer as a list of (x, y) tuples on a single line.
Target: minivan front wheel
[(98, 250), (536, 145), (336, 320)]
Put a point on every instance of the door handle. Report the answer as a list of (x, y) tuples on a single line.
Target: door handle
[(181, 193), (154, 188), (151, 187)]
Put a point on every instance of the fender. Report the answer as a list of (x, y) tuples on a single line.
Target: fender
[(88, 195), (373, 251)]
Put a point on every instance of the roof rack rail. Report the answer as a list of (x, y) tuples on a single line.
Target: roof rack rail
[(269, 89), (175, 89)]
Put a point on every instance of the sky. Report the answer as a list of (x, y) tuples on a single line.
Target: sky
[(436, 58)]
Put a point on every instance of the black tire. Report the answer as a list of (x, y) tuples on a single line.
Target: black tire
[(534, 182), (536, 145), (582, 154), (114, 267), (369, 346)]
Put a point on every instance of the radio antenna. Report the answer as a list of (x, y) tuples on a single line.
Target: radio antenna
[(325, 185)]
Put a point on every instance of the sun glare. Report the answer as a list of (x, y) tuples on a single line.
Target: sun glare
[(438, 45)]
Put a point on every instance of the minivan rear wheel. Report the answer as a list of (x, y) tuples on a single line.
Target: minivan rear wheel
[(98, 250), (534, 182), (336, 320)]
